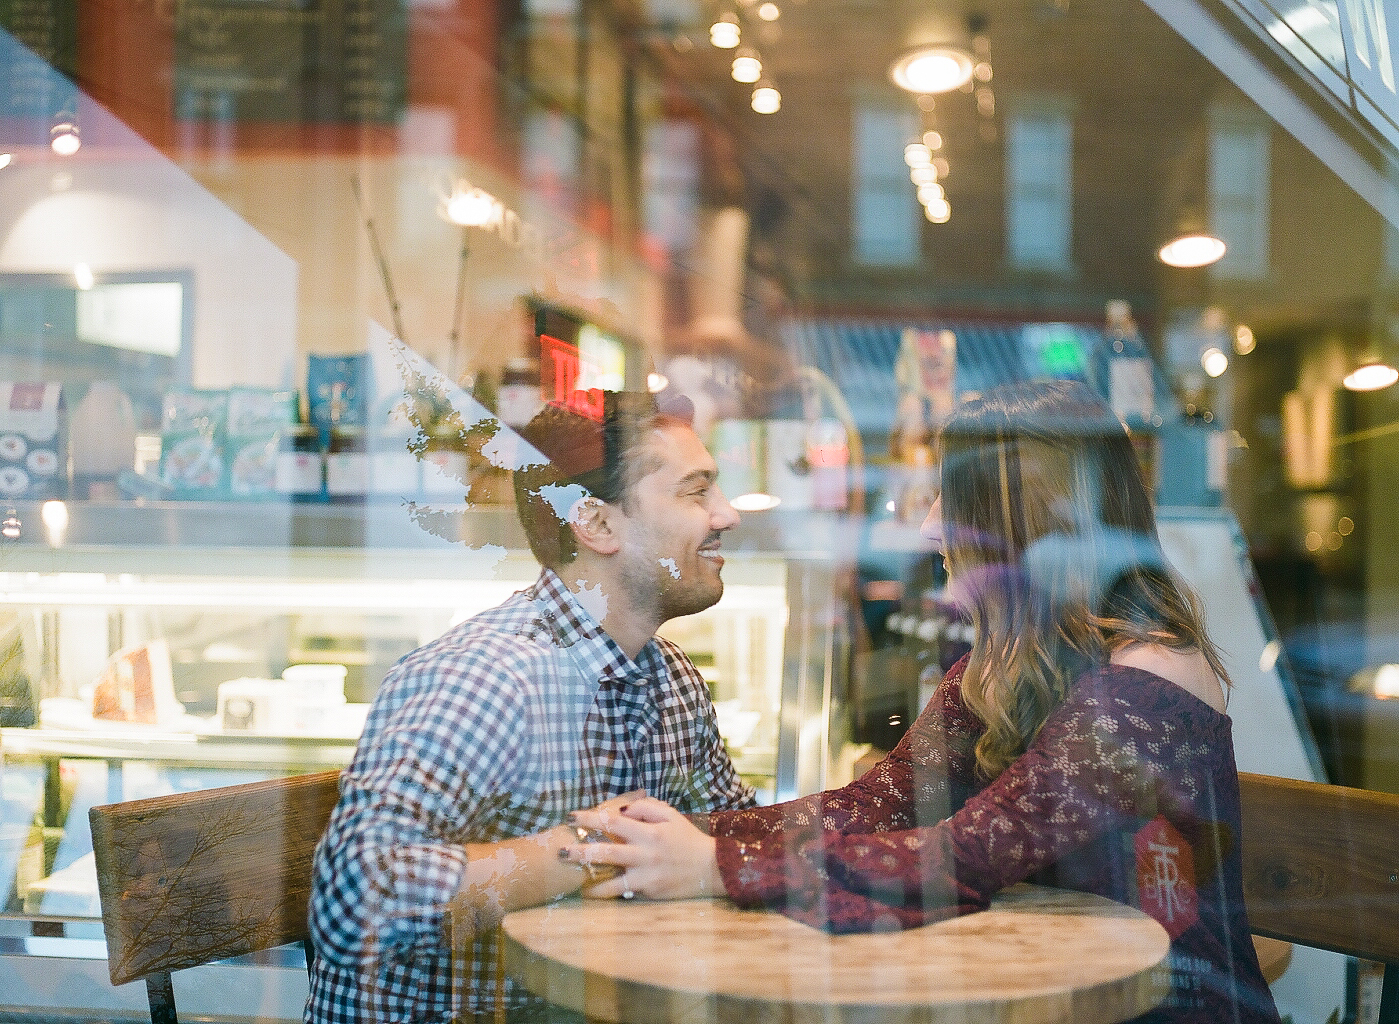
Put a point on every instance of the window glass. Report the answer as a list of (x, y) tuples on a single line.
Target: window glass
[(1039, 196)]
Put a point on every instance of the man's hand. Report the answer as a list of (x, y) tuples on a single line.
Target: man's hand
[(524, 872), (663, 856)]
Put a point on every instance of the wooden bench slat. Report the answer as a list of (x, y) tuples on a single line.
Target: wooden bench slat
[(1321, 865)]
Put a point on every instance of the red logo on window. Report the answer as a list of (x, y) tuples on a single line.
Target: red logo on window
[(1166, 876)]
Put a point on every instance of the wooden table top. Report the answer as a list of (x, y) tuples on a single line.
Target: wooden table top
[(1037, 955)]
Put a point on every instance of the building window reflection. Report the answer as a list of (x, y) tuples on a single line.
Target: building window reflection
[(1039, 186), (1239, 173), (885, 229)]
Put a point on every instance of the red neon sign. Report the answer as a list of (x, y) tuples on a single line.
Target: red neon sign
[(560, 368)]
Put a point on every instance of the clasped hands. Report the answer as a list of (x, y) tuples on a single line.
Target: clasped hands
[(661, 854)]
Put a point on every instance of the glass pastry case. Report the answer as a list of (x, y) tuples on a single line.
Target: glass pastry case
[(149, 648)]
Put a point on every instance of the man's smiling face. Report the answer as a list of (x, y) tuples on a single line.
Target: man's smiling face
[(673, 519)]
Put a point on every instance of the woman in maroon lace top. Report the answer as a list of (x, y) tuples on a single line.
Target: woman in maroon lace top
[(1082, 743)]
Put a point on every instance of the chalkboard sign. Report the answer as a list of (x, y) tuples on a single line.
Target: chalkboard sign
[(316, 61), (43, 37)]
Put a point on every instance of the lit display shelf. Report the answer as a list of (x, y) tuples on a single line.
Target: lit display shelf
[(244, 589)]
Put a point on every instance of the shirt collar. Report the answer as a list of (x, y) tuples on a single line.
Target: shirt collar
[(572, 626)]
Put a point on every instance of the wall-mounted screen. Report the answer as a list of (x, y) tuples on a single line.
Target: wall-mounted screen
[(142, 317)]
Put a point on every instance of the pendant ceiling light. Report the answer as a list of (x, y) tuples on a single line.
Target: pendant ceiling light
[(724, 33), (766, 99), (1197, 249), (1372, 374), (932, 69), (64, 137), (747, 65)]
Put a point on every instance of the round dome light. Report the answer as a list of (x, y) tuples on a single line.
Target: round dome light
[(1371, 377), (755, 502), (1192, 251), (932, 70), (1213, 361)]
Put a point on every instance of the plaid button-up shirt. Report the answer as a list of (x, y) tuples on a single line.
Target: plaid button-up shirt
[(497, 729)]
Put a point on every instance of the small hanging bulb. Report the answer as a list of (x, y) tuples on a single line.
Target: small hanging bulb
[(724, 33), (917, 155), (64, 138), (747, 66), (766, 98)]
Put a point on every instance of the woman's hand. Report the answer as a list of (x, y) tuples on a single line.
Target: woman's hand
[(662, 855)]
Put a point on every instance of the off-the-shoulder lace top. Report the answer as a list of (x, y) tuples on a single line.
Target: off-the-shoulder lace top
[(1129, 790)]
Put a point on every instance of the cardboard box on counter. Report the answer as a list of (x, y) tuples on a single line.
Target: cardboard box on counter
[(33, 440)]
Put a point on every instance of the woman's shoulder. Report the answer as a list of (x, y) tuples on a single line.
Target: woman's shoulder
[(1184, 669)]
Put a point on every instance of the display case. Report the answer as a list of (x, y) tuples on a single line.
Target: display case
[(236, 593)]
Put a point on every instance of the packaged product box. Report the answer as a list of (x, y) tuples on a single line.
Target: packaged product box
[(338, 391), (33, 440), (257, 420), (192, 443)]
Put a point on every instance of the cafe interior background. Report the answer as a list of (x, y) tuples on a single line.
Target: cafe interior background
[(277, 279)]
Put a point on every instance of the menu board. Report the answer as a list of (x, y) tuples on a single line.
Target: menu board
[(47, 29), (318, 61)]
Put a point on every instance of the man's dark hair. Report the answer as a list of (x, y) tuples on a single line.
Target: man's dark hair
[(605, 459)]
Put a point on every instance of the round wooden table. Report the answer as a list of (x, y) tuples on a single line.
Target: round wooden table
[(1037, 955)]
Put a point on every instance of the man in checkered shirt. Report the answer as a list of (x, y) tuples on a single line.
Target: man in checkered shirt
[(480, 743)]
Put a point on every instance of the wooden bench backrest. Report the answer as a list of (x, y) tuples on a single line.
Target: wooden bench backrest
[(1321, 865), (195, 877)]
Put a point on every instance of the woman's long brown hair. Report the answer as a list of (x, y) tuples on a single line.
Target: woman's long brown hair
[(1051, 539)]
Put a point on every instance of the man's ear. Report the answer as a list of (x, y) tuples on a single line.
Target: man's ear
[(594, 525)]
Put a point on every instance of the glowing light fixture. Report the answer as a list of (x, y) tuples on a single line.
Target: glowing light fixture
[(724, 32), (468, 206), (941, 165), (1244, 341), (1213, 361), (54, 515), (939, 211), (769, 12), (64, 138), (933, 140), (747, 66), (82, 275), (766, 98), (656, 382), (5, 159), (923, 175), (930, 191), (918, 155), (1371, 375), (755, 502), (1197, 250), (932, 69), (10, 527)]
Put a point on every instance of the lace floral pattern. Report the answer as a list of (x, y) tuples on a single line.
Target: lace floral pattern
[(913, 841)]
